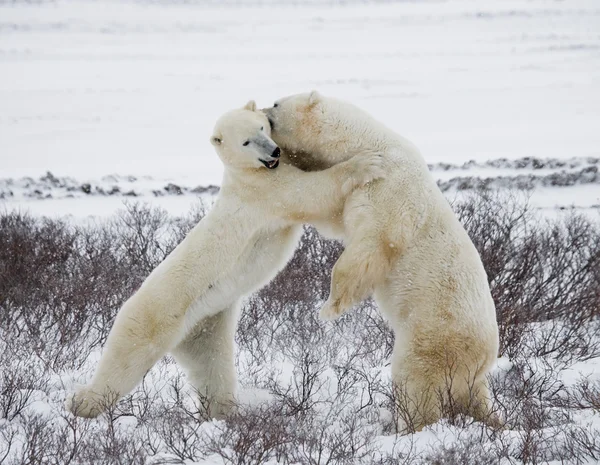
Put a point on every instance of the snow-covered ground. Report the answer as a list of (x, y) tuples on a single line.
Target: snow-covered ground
[(95, 89), (107, 101)]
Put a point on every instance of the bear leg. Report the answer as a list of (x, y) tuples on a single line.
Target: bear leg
[(427, 390), (417, 388), (207, 354), (138, 339), (476, 402), (417, 404)]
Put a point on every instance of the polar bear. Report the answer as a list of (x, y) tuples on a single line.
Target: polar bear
[(189, 304), (405, 245)]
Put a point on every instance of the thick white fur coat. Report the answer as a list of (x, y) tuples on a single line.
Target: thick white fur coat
[(189, 304), (405, 246)]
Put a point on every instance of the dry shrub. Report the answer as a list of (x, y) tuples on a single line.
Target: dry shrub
[(62, 284), (540, 271)]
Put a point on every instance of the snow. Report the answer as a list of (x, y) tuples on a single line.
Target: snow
[(96, 88)]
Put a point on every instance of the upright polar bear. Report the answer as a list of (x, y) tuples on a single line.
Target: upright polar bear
[(404, 243), (189, 304)]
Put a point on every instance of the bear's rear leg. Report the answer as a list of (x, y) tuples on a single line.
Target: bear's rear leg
[(140, 336), (418, 385), (430, 392), (417, 404), (207, 354), (477, 404)]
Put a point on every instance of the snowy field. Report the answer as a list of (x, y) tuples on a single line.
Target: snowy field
[(96, 89), (105, 102)]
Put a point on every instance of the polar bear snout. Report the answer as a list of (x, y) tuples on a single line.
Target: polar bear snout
[(272, 160), (272, 163), (269, 152)]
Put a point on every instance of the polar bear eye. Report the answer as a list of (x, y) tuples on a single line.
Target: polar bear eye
[(275, 105), (262, 128), (246, 143)]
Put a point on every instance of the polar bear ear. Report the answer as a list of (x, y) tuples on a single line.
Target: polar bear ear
[(251, 105), (314, 97), (216, 140)]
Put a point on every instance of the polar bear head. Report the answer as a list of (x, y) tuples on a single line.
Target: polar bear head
[(311, 125), (297, 120), (242, 139)]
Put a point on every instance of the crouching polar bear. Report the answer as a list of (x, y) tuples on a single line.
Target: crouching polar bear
[(405, 245), (189, 304)]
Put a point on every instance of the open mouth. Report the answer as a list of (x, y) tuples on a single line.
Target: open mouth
[(270, 164)]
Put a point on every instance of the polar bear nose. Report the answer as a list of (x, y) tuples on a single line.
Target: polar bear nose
[(276, 153)]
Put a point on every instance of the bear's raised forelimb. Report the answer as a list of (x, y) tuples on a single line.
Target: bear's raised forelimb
[(307, 197)]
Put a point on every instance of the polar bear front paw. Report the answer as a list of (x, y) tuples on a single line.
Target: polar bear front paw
[(364, 169), (330, 311), (86, 403)]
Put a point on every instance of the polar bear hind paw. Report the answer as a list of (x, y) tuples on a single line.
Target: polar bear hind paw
[(86, 403)]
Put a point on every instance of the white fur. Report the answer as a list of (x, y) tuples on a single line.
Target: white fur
[(189, 304), (405, 245)]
